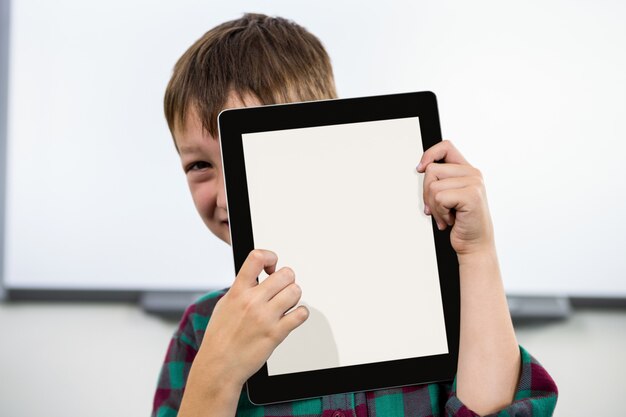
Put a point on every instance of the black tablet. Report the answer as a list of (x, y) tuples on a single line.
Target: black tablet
[(331, 187)]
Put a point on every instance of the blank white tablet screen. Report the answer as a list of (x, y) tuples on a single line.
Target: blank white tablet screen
[(342, 206)]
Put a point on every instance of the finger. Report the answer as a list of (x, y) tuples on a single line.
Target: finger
[(457, 199), (449, 183), (449, 170), (442, 217), (432, 187), (293, 319), (286, 299), (257, 261), (273, 284), (443, 151), (437, 172), (445, 215)]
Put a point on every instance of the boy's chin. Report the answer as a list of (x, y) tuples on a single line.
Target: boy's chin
[(224, 238), (225, 235), (221, 231)]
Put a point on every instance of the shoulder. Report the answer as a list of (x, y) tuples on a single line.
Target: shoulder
[(196, 318), (204, 306), (181, 352)]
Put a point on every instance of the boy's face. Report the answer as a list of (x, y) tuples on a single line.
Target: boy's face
[(202, 163)]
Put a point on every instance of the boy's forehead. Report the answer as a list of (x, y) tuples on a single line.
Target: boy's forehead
[(189, 132), (187, 136), (235, 100)]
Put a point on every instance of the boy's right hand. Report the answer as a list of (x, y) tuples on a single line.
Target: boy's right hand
[(249, 321)]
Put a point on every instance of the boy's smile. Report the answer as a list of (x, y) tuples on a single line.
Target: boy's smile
[(201, 160)]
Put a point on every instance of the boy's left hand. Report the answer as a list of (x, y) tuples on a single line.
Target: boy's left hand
[(454, 194)]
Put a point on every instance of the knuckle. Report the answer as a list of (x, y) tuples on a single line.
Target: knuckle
[(270, 335), (426, 188), (478, 179), (438, 198), (295, 290), (435, 187), (476, 192), (448, 144), (256, 255), (275, 335), (289, 274)]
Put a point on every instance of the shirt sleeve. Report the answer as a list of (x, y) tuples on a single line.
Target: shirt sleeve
[(535, 396), (181, 352)]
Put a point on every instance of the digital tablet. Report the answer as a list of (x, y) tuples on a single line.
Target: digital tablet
[(331, 187)]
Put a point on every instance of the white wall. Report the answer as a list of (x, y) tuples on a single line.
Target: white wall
[(79, 360), (62, 360)]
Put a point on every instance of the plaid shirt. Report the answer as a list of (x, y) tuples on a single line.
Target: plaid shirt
[(535, 396)]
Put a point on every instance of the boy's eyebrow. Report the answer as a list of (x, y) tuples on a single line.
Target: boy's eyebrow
[(188, 149)]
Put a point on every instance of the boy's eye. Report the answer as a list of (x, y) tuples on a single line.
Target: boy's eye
[(199, 165)]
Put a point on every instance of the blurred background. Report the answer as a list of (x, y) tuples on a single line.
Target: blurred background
[(101, 245)]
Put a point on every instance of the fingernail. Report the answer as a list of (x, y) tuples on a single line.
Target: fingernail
[(419, 166), (426, 210)]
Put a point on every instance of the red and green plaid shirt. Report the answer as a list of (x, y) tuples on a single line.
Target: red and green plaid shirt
[(535, 396)]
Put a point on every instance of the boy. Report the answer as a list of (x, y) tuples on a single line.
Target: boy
[(260, 60)]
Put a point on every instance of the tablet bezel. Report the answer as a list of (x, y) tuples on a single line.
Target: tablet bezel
[(233, 123)]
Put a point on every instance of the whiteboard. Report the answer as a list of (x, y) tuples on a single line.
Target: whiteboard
[(533, 94)]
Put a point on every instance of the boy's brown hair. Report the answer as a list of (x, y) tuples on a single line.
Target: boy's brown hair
[(272, 58)]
